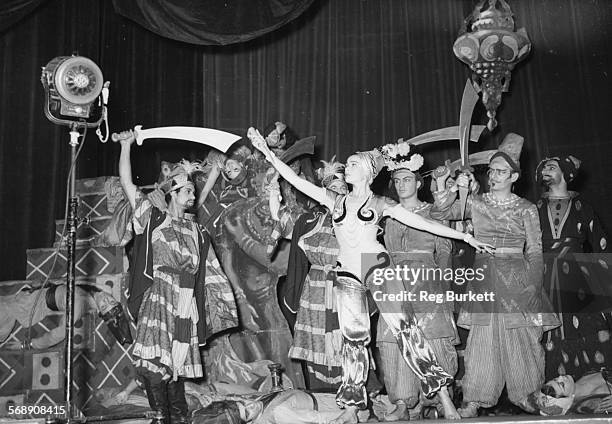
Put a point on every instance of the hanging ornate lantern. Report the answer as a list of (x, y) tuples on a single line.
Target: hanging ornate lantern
[(491, 48)]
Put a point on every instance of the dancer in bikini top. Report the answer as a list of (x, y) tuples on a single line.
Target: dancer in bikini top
[(355, 222)]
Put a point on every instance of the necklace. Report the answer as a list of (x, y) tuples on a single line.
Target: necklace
[(506, 202), (417, 208)]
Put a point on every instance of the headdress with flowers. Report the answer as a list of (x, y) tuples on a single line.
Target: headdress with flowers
[(180, 175), (399, 156)]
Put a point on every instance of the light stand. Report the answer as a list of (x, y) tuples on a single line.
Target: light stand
[(75, 95), (71, 271)]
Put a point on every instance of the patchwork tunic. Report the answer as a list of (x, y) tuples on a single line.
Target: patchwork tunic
[(578, 281), (167, 335)]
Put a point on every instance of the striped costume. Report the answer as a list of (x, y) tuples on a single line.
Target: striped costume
[(318, 339), (503, 347), (167, 338)]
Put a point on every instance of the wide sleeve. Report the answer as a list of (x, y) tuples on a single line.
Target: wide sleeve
[(142, 212), (447, 207), (596, 235), (533, 246)]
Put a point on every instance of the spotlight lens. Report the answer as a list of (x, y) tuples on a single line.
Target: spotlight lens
[(81, 80)]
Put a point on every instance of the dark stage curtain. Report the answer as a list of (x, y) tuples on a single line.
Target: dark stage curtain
[(211, 22), (12, 11), (353, 73)]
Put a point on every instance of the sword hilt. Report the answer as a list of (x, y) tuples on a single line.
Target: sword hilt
[(118, 137), (440, 171), (466, 169)]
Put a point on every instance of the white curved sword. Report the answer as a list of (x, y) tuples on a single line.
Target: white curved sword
[(218, 139)]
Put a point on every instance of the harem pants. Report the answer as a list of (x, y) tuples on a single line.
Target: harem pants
[(496, 355), (354, 319)]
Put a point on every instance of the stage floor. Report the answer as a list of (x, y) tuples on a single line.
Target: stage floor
[(527, 419), (524, 419)]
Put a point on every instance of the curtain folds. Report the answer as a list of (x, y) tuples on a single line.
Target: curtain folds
[(12, 11), (211, 22)]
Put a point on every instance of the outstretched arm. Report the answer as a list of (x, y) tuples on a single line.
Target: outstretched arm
[(416, 221), (309, 189), (125, 167)]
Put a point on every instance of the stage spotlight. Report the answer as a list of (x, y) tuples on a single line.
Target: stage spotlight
[(73, 85)]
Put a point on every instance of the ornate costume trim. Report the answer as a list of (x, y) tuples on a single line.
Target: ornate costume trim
[(365, 214), (557, 233), (511, 201)]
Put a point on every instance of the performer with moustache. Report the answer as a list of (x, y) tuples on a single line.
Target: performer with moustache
[(576, 276), (167, 288), (503, 347)]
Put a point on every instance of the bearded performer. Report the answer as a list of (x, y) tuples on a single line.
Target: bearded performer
[(503, 347), (575, 278), (355, 218), (413, 249), (168, 289)]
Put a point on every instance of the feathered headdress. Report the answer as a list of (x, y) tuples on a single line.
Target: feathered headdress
[(399, 156), (180, 175), (332, 170)]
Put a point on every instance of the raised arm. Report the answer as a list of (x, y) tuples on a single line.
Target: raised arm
[(445, 205), (414, 220), (309, 189), (210, 183), (216, 159), (125, 166)]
